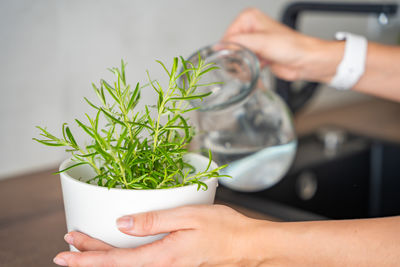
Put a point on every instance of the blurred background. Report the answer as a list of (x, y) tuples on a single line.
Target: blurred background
[(51, 51)]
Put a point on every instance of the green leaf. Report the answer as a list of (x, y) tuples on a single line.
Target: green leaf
[(186, 126), (99, 93), (209, 159), (208, 84), (110, 90), (72, 166), (96, 122), (185, 68), (112, 117), (91, 104), (48, 142), (191, 109), (208, 70), (151, 82), (71, 137), (134, 98), (165, 68), (85, 128), (123, 71), (87, 155), (174, 67), (104, 154), (191, 97), (141, 124), (122, 138)]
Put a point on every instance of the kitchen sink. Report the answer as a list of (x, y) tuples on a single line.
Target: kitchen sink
[(336, 174)]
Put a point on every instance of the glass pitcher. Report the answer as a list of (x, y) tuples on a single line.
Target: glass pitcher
[(244, 124)]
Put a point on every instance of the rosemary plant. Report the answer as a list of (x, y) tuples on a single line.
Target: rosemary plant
[(120, 153)]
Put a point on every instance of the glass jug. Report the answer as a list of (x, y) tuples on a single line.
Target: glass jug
[(244, 124)]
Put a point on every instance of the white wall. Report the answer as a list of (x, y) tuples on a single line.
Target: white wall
[(50, 52)]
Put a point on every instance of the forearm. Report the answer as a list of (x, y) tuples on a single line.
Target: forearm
[(371, 242), (382, 70)]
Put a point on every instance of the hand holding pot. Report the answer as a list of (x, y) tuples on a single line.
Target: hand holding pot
[(205, 235), (215, 235)]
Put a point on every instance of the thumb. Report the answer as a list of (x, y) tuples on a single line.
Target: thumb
[(162, 221)]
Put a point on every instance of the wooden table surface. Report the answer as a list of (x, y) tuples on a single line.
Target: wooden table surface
[(32, 221)]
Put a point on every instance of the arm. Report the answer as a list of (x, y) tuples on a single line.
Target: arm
[(219, 236), (382, 75), (366, 242), (294, 56)]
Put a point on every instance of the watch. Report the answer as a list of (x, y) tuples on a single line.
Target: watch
[(352, 66)]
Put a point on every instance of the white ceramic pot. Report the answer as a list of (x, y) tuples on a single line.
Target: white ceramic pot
[(93, 210)]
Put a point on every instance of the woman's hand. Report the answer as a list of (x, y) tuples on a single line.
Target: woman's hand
[(219, 236), (295, 56), (212, 235), (289, 54)]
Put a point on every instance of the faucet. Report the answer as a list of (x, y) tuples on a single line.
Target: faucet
[(292, 11)]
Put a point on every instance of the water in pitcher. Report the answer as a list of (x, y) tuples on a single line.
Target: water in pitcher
[(252, 168)]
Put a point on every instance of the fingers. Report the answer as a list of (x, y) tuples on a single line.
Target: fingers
[(285, 72), (163, 221), (84, 242), (115, 257), (83, 259), (256, 42), (179, 248), (249, 21)]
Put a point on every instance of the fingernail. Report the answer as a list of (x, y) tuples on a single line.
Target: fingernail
[(125, 222), (60, 261), (69, 239)]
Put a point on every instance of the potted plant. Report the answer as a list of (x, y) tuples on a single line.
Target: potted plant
[(136, 161)]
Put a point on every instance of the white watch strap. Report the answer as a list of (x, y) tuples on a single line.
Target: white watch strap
[(352, 66)]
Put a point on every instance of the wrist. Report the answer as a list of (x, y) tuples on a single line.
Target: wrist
[(281, 244), (267, 244), (322, 60)]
